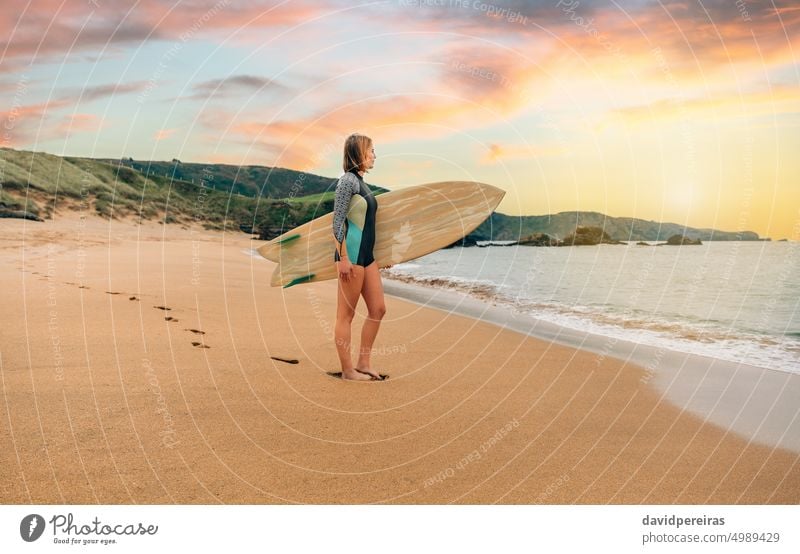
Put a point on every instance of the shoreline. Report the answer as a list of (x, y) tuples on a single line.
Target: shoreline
[(739, 397)]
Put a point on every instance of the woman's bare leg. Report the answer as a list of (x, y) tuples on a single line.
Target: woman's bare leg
[(372, 291), (347, 299)]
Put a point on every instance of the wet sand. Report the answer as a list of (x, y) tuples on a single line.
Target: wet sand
[(760, 404), (136, 364)]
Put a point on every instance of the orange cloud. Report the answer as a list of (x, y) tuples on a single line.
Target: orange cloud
[(699, 43), (297, 142), (78, 122), (472, 87), (26, 125), (187, 19), (780, 99), (163, 134), (23, 124), (497, 153)]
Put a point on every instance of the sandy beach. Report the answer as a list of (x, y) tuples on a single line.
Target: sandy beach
[(136, 368)]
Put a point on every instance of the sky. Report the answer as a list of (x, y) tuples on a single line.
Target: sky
[(684, 112)]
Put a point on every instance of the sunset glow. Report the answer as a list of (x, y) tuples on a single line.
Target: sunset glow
[(669, 111)]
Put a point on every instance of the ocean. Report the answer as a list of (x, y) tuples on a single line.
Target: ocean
[(736, 301)]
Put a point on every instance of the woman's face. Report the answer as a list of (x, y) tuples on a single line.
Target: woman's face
[(370, 162)]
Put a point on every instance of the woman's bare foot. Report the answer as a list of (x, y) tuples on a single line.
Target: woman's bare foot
[(370, 372), (355, 375)]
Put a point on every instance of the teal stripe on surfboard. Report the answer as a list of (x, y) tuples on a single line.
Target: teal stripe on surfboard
[(283, 242)]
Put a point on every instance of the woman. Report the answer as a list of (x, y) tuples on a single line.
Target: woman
[(358, 274)]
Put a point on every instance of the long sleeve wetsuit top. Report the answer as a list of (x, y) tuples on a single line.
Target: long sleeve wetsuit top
[(354, 224)]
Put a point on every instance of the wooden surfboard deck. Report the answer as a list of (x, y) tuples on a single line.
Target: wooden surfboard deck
[(410, 223)]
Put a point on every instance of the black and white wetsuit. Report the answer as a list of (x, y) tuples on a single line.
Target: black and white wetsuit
[(354, 209)]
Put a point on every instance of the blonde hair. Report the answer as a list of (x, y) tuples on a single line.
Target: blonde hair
[(356, 149)]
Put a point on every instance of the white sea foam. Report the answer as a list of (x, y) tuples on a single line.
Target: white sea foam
[(725, 300)]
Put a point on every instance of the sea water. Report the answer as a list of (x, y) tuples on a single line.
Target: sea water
[(735, 301)]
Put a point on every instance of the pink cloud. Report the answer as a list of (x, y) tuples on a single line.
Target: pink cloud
[(22, 125), (32, 124), (25, 124), (296, 142), (46, 29), (187, 19), (694, 42), (76, 123), (163, 134), (474, 87)]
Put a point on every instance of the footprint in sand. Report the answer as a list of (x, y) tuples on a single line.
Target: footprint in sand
[(200, 345), (196, 331), (292, 361), (170, 318)]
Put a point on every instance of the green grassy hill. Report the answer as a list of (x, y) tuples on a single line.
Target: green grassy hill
[(38, 183), (247, 180)]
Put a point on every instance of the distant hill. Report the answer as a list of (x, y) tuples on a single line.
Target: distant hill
[(560, 225), (259, 199)]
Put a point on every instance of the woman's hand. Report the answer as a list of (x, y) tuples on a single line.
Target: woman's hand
[(344, 268)]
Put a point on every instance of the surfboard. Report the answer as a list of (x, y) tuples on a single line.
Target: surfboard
[(410, 222)]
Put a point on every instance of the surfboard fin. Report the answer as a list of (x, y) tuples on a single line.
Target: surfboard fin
[(298, 280)]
